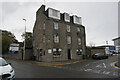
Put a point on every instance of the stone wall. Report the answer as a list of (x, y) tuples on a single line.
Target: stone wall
[(13, 56), (19, 55)]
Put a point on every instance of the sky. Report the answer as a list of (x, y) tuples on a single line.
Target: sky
[(99, 18)]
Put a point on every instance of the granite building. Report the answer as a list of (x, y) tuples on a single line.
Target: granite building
[(58, 36)]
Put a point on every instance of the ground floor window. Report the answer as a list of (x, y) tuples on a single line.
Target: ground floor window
[(57, 51), (79, 51)]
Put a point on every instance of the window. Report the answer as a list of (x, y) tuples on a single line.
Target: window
[(57, 51), (54, 13), (69, 40), (68, 28), (40, 52), (79, 51), (79, 41), (56, 38), (49, 51), (77, 20), (44, 26), (66, 17), (78, 29), (43, 39), (56, 26)]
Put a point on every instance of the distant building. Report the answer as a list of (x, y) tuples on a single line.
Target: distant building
[(117, 43), (93, 50), (58, 36), (109, 49), (13, 48)]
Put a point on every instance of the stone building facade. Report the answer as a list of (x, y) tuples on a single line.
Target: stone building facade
[(58, 36)]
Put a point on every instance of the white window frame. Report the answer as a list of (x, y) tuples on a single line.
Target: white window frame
[(50, 13), (66, 17), (78, 29), (69, 39), (43, 39), (55, 52), (75, 21), (68, 28), (79, 41), (44, 26), (56, 38), (55, 26)]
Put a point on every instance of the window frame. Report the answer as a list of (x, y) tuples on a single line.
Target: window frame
[(69, 40), (78, 29), (56, 38), (51, 13), (68, 28), (55, 24), (79, 41), (57, 52)]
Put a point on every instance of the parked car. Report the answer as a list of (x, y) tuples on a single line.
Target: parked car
[(6, 70), (99, 56)]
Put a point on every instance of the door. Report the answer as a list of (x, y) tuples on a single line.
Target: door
[(69, 54)]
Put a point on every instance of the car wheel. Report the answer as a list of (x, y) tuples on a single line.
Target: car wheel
[(100, 58), (107, 57)]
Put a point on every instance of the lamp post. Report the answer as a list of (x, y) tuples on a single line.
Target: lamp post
[(24, 40)]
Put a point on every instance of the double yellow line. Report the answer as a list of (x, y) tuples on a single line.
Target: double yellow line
[(113, 65), (61, 63)]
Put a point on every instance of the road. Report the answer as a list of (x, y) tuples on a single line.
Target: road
[(87, 69)]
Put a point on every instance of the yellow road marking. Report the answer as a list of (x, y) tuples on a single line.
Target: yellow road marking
[(113, 65), (59, 64)]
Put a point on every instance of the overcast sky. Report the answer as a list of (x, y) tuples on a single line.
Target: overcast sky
[(99, 18)]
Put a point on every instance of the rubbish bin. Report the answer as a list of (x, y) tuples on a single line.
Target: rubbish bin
[(85, 56)]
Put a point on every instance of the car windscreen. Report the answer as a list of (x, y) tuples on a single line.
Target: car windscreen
[(99, 54), (3, 62)]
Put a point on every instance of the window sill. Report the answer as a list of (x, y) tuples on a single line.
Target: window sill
[(79, 55), (57, 56)]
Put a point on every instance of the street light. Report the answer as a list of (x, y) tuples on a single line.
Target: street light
[(24, 40)]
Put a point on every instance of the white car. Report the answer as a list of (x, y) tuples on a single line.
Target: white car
[(6, 70)]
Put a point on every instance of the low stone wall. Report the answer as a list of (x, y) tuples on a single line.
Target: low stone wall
[(29, 54), (13, 56), (19, 55)]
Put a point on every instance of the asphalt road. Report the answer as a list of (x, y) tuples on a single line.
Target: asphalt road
[(87, 69), (96, 66)]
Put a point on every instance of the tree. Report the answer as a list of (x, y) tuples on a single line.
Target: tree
[(7, 39), (28, 39)]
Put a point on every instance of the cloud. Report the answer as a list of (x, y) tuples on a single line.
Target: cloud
[(99, 18)]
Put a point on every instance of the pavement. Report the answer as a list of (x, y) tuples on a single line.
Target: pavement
[(66, 69)]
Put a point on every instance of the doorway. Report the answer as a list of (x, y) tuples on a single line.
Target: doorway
[(69, 54)]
